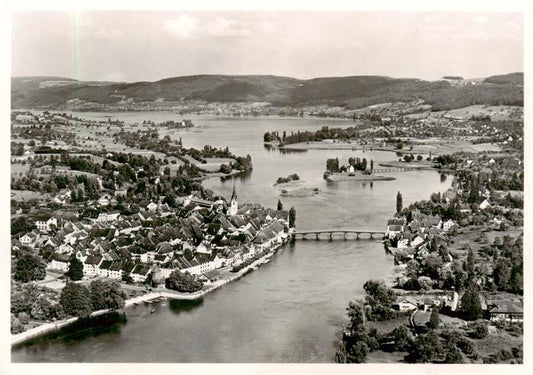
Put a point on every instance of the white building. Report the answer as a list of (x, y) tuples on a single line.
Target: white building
[(45, 226)]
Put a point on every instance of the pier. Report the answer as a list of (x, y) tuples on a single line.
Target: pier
[(331, 234)]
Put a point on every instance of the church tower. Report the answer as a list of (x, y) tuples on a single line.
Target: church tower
[(233, 204)]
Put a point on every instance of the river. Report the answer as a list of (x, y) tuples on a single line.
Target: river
[(289, 310)]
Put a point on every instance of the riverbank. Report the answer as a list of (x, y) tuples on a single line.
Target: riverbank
[(155, 294)]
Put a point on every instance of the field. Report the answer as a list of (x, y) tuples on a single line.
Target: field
[(26, 195), (19, 170)]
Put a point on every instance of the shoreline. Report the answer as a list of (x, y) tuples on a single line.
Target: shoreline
[(46, 328)]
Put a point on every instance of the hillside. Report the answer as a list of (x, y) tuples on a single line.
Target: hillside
[(349, 92)]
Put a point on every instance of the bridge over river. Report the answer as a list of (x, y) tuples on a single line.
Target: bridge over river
[(331, 234)]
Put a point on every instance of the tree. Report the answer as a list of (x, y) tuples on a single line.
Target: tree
[(371, 165), (21, 225), (183, 282), (434, 319), (356, 314), (41, 308), (76, 300), (29, 268), (21, 301), (332, 165), (470, 303), (75, 269), (469, 265), (399, 203), (379, 293), (225, 168), (401, 337), (480, 330), (453, 355), (425, 348), (16, 325), (292, 217), (357, 353), (106, 295), (502, 273), (280, 205)]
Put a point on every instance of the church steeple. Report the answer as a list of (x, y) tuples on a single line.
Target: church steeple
[(234, 193), (233, 202)]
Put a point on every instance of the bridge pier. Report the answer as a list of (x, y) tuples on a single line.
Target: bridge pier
[(357, 235)]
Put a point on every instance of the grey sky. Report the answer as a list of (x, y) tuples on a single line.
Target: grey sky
[(147, 46)]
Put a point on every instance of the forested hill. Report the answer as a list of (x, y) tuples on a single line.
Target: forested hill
[(349, 92)]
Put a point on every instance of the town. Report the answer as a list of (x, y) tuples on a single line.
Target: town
[(83, 214)]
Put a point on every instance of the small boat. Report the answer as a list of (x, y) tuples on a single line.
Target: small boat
[(153, 311), (136, 303)]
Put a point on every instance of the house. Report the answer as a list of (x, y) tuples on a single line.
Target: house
[(104, 200), (91, 265), (65, 249), (116, 270), (433, 301), (395, 226), (106, 217), (152, 207), (447, 225), (508, 310), (28, 239), (46, 225), (59, 262), (393, 230), (121, 192), (417, 241), (485, 204), (103, 269), (403, 304), (403, 243), (140, 272)]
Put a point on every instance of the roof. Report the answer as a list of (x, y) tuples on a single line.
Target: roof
[(141, 269), (406, 299), (506, 306), (93, 259), (394, 228)]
